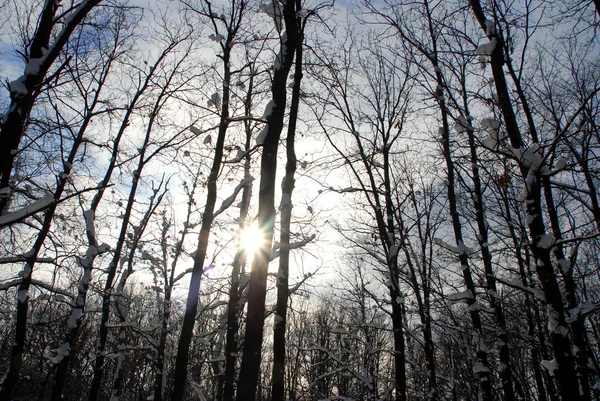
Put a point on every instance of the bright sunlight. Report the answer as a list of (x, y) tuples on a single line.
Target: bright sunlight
[(252, 239)]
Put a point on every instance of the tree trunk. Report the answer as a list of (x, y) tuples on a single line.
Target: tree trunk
[(482, 367), (16, 359), (537, 372), (185, 338), (566, 373), (239, 261), (250, 368), (495, 301), (121, 241), (278, 373)]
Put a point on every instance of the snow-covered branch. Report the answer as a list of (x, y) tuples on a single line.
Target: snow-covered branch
[(29, 210), (39, 205), (460, 249), (517, 284), (229, 201), (276, 251), (38, 283), (23, 258)]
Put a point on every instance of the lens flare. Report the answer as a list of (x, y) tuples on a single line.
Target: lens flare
[(252, 239)]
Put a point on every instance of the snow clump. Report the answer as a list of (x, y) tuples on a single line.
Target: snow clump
[(486, 49), (216, 37)]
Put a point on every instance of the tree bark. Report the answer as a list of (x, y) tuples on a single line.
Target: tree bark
[(490, 277), (185, 338), (278, 372), (250, 368), (234, 304), (566, 373)]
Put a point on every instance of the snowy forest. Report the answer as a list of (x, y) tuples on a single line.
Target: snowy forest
[(300, 200)]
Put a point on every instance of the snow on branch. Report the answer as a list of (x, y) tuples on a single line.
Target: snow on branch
[(15, 282), (344, 190), (274, 10), (461, 296), (486, 49), (39, 205), (229, 201), (517, 284), (546, 241), (460, 249), (23, 258), (63, 351), (27, 211), (577, 239), (247, 118), (491, 126), (276, 251), (581, 311), (462, 125), (9, 284), (550, 365), (216, 37)]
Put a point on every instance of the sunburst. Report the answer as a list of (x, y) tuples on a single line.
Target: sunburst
[(252, 239)]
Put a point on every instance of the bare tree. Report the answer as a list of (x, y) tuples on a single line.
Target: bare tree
[(230, 26), (91, 75), (284, 15), (41, 55), (371, 157)]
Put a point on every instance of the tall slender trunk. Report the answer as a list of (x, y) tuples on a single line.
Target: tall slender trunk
[(490, 277), (482, 367), (169, 280), (531, 328), (112, 267), (577, 325), (578, 330), (431, 53), (278, 371), (108, 286), (250, 368), (93, 250), (396, 297), (424, 314), (87, 263), (161, 351), (233, 312), (185, 338), (122, 309), (565, 373), (22, 306), (239, 261)]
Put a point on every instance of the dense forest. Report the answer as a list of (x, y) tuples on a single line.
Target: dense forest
[(300, 200)]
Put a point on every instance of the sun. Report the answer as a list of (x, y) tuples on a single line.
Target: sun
[(252, 239)]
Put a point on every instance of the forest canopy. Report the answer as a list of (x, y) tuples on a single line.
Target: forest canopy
[(300, 200)]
